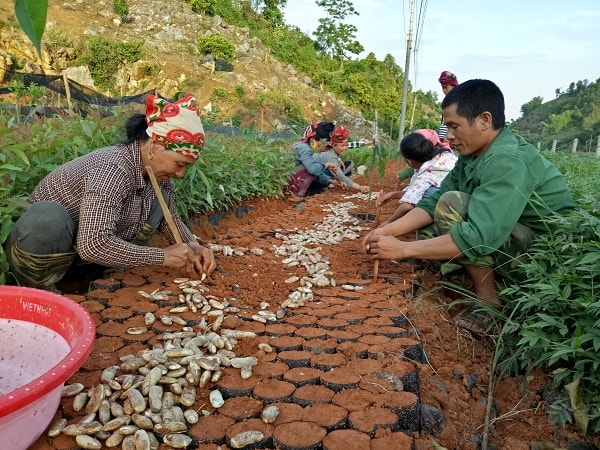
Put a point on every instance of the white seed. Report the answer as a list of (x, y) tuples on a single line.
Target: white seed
[(57, 427), (177, 440), (138, 401), (96, 397), (265, 347), (72, 389), (245, 438), (170, 427), (166, 320), (114, 439), (188, 396), (269, 414), (149, 318), (109, 373), (104, 411), (180, 280), (137, 330), (246, 361), (141, 439), (191, 416), (79, 401), (88, 442), (216, 399), (143, 422), (116, 423), (246, 372)]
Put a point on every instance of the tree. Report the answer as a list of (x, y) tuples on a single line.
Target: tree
[(335, 38), (271, 11), (531, 105)]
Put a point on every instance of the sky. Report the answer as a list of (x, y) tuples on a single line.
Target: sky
[(528, 48)]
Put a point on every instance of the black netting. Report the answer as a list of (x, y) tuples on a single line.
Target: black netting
[(81, 93)]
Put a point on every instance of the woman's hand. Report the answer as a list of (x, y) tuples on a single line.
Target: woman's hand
[(359, 188), (332, 167), (191, 257), (204, 258), (178, 256)]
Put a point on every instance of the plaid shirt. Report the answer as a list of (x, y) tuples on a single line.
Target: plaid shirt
[(109, 200)]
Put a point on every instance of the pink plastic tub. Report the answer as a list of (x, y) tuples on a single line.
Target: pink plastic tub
[(44, 340)]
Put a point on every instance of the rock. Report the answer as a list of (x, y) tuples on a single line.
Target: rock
[(431, 420)]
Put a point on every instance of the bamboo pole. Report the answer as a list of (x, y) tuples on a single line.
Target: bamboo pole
[(163, 206), (67, 90)]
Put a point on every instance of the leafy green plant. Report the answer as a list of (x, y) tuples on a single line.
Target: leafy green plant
[(239, 91), (217, 45), (120, 7), (104, 57), (555, 308), (219, 93), (202, 6)]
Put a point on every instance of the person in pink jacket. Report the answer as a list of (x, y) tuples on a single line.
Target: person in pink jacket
[(431, 160)]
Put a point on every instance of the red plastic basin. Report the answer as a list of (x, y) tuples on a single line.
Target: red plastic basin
[(45, 339)]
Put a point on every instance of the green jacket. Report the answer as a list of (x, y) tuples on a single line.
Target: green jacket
[(510, 183)]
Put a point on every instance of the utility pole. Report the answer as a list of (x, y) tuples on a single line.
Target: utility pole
[(406, 69)]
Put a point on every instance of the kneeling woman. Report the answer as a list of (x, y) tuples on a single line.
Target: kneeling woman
[(101, 208), (308, 169)]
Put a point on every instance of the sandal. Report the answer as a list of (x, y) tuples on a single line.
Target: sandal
[(293, 198), (478, 322)]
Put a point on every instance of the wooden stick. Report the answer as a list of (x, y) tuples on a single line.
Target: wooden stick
[(163, 205), (377, 220)]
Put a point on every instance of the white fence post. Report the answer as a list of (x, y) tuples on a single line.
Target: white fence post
[(574, 147), (598, 148), (554, 142)]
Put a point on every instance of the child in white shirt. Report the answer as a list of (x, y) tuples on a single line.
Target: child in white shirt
[(431, 159)]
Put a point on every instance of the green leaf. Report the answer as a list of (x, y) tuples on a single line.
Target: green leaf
[(589, 258), (31, 15)]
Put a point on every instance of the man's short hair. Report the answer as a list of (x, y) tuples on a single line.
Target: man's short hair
[(474, 97)]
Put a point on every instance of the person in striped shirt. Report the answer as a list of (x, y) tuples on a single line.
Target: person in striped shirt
[(448, 80), (101, 208)]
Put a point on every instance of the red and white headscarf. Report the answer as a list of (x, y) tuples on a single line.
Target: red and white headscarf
[(340, 134), (176, 126), (318, 131)]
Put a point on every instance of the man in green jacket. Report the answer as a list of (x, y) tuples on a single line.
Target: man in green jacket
[(491, 205)]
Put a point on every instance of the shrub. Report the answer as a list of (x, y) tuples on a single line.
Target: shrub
[(103, 57), (219, 93), (217, 45), (120, 7)]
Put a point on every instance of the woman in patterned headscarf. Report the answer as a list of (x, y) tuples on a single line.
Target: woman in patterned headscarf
[(308, 169), (101, 208), (333, 152)]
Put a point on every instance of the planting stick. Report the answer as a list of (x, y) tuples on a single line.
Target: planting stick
[(377, 220), (490, 402), (163, 205)]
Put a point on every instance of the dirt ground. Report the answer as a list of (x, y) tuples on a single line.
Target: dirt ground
[(354, 368)]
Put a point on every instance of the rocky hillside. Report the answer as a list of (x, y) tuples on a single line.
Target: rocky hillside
[(170, 31)]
